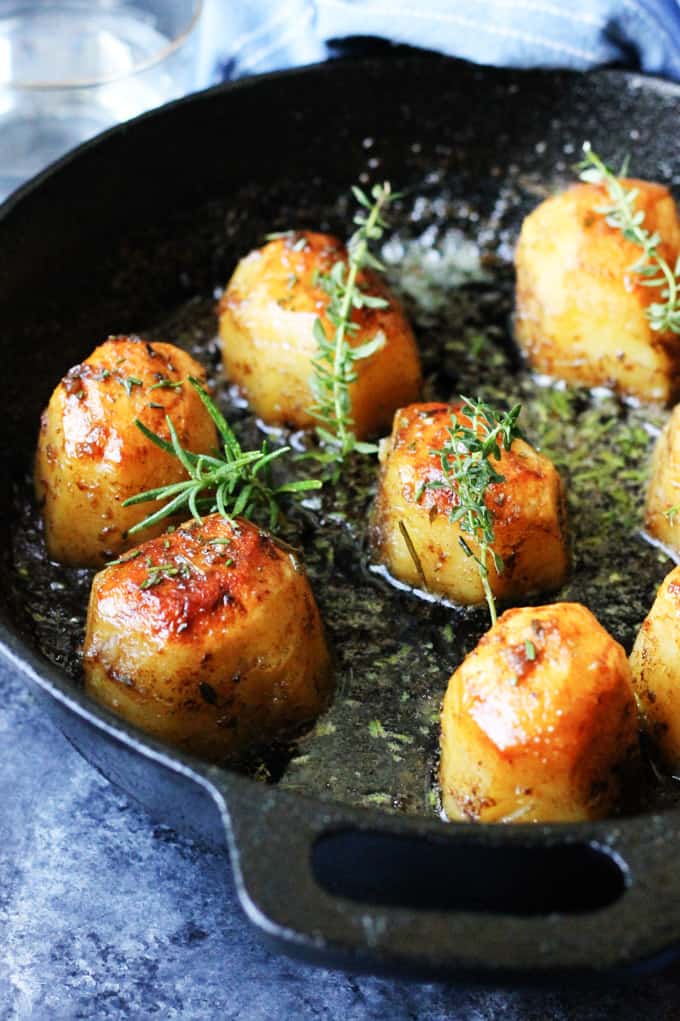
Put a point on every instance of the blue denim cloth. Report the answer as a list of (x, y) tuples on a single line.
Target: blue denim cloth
[(247, 36)]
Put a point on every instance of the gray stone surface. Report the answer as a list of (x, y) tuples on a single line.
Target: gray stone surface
[(106, 915)]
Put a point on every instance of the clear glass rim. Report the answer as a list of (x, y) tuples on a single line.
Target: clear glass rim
[(91, 83)]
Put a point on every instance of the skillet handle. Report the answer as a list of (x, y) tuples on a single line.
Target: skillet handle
[(345, 887)]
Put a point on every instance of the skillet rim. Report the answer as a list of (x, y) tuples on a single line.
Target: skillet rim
[(225, 786), (18, 654)]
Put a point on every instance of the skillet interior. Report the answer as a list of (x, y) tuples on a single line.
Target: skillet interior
[(137, 232)]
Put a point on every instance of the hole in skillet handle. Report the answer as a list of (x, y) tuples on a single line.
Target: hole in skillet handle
[(343, 887), (410, 872)]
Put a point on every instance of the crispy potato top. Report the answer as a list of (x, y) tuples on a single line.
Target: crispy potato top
[(198, 579), (535, 679), (420, 430), (287, 268), (123, 379)]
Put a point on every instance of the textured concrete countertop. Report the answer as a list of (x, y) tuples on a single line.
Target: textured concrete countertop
[(106, 915)]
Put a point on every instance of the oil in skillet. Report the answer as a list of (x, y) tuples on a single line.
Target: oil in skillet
[(378, 743)]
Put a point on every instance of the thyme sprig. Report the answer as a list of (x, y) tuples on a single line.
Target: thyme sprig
[(672, 512), (233, 481), (335, 363), (466, 464), (664, 316)]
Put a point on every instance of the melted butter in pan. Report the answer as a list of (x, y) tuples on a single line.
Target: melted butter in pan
[(377, 745)]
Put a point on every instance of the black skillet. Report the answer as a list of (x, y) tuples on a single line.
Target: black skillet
[(132, 226)]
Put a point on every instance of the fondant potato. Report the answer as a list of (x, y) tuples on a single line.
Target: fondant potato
[(655, 663), (91, 456), (663, 494), (539, 722), (580, 309), (267, 316), (209, 639), (528, 512)]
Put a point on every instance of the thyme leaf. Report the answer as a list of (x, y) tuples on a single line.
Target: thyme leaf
[(466, 464), (672, 512), (663, 315), (335, 361)]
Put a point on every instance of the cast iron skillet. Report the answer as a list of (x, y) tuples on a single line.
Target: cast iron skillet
[(111, 238)]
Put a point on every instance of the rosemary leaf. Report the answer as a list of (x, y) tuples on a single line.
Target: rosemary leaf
[(233, 482)]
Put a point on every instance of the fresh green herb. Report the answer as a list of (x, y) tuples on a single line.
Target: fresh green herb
[(153, 404), (530, 650), (167, 384), (300, 244), (124, 560), (672, 512), (156, 574), (324, 728), (400, 738), (413, 553), (102, 375), (466, 465), (235, 482), (335, 362), (378, 798), (395, 741), (664, 316), (129, 382), (262, 774), (219, 542), (477, 342)]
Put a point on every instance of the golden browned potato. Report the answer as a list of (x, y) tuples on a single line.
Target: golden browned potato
[(91, 456), (528, 511), (580, 309), (539, 722), (655, 663), (208, 638), (663, 494), (267, 315)]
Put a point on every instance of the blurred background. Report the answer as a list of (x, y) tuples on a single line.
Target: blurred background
[(71, 68)]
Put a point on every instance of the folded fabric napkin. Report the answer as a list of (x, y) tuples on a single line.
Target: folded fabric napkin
[(263, 35)]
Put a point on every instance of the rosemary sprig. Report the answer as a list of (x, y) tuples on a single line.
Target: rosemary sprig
[(466, 465), (335, 362), (129, 382), (234, 482), (664, 316)]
